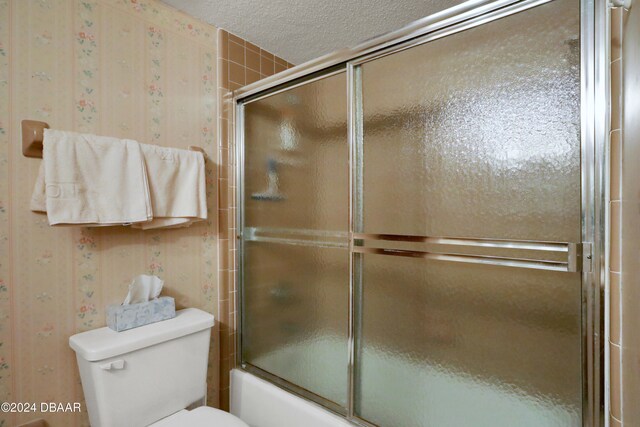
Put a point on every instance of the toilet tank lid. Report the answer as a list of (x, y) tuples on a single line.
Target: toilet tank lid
[(99, 344)]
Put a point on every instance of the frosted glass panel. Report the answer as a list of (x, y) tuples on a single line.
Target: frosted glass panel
[(475, 135), (485, 125), (453, 344), (295, 315), (296, 258), (296, 158)]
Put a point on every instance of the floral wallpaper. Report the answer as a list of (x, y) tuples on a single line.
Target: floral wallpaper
[(125, 68), (6, 361)]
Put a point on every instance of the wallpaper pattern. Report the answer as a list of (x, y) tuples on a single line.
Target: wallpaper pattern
[(123, 68)]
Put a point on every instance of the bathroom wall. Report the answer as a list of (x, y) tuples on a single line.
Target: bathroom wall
[(618, 17), (627, 82), (124, 68), (239, 63)]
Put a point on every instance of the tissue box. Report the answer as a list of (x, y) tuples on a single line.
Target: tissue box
[(123, 317)]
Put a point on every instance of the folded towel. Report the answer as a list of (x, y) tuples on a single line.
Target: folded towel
[(177, 186), (91, 180), (95, 181)]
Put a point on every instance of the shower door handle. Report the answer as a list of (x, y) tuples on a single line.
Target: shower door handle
[(538, 255)]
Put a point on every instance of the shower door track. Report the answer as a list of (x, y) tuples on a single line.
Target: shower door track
[(587, 256)]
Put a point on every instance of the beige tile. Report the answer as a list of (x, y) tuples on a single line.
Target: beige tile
[(223, 171), (614, 308), (235, 86), (615, 191), (252, 60), (236, 39), (252, 76), (224, 222), (279, 67), (236, 53), (232, 275), (224, 44), (614, 422), (224, 133), (222, 281), (614, 378), (267, 66), (236, 74), (224, 316), (616, 94), (224, 399), (223, 192), (616, 237), (251, 46), (617, 16), (224, 365), (223, 66)]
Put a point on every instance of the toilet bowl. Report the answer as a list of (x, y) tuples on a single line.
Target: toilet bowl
[(149, 375)]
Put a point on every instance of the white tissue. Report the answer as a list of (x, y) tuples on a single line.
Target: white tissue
[(143, 288)]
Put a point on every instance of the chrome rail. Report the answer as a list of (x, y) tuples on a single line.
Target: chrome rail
[(571, 263), (298, 237), (540, 251)]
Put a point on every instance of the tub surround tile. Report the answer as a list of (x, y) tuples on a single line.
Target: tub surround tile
[(252, 60), (252, 76), (614, 311), (617, 26), (618, 17), (267, 65), (236, 53), (616, 237), (236, 39), (614, 372), (615, 191), (236, 74), (616, 94), (252, 47), (256, 63), (279, 67), (614, 422)]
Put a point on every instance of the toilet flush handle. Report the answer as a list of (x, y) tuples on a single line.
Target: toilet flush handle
[(112, 366)]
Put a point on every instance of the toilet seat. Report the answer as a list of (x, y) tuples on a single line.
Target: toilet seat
[(203, 416)]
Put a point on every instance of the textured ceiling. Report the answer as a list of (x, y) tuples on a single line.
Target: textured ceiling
[(300, 30)]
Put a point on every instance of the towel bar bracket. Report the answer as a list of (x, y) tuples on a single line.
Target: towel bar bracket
[(32, 136)]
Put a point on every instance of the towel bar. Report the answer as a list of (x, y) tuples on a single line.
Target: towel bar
[(33, 134)]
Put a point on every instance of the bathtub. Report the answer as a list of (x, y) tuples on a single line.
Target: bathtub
[(262, 404), (443, 399)]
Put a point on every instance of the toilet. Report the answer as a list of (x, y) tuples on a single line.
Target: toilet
[(151, 375)]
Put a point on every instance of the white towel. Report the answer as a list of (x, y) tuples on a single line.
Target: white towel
[(91, 180), (177, 186), (167, 188)]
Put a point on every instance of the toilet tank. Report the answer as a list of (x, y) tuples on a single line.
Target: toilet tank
[(137, 377)]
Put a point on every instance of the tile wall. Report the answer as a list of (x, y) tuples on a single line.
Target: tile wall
[(615, 414), (240, 63)]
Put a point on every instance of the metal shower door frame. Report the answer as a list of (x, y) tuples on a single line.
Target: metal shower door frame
[(594, 114)]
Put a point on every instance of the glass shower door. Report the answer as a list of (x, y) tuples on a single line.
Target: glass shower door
[(468, 227), (295, 274)]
